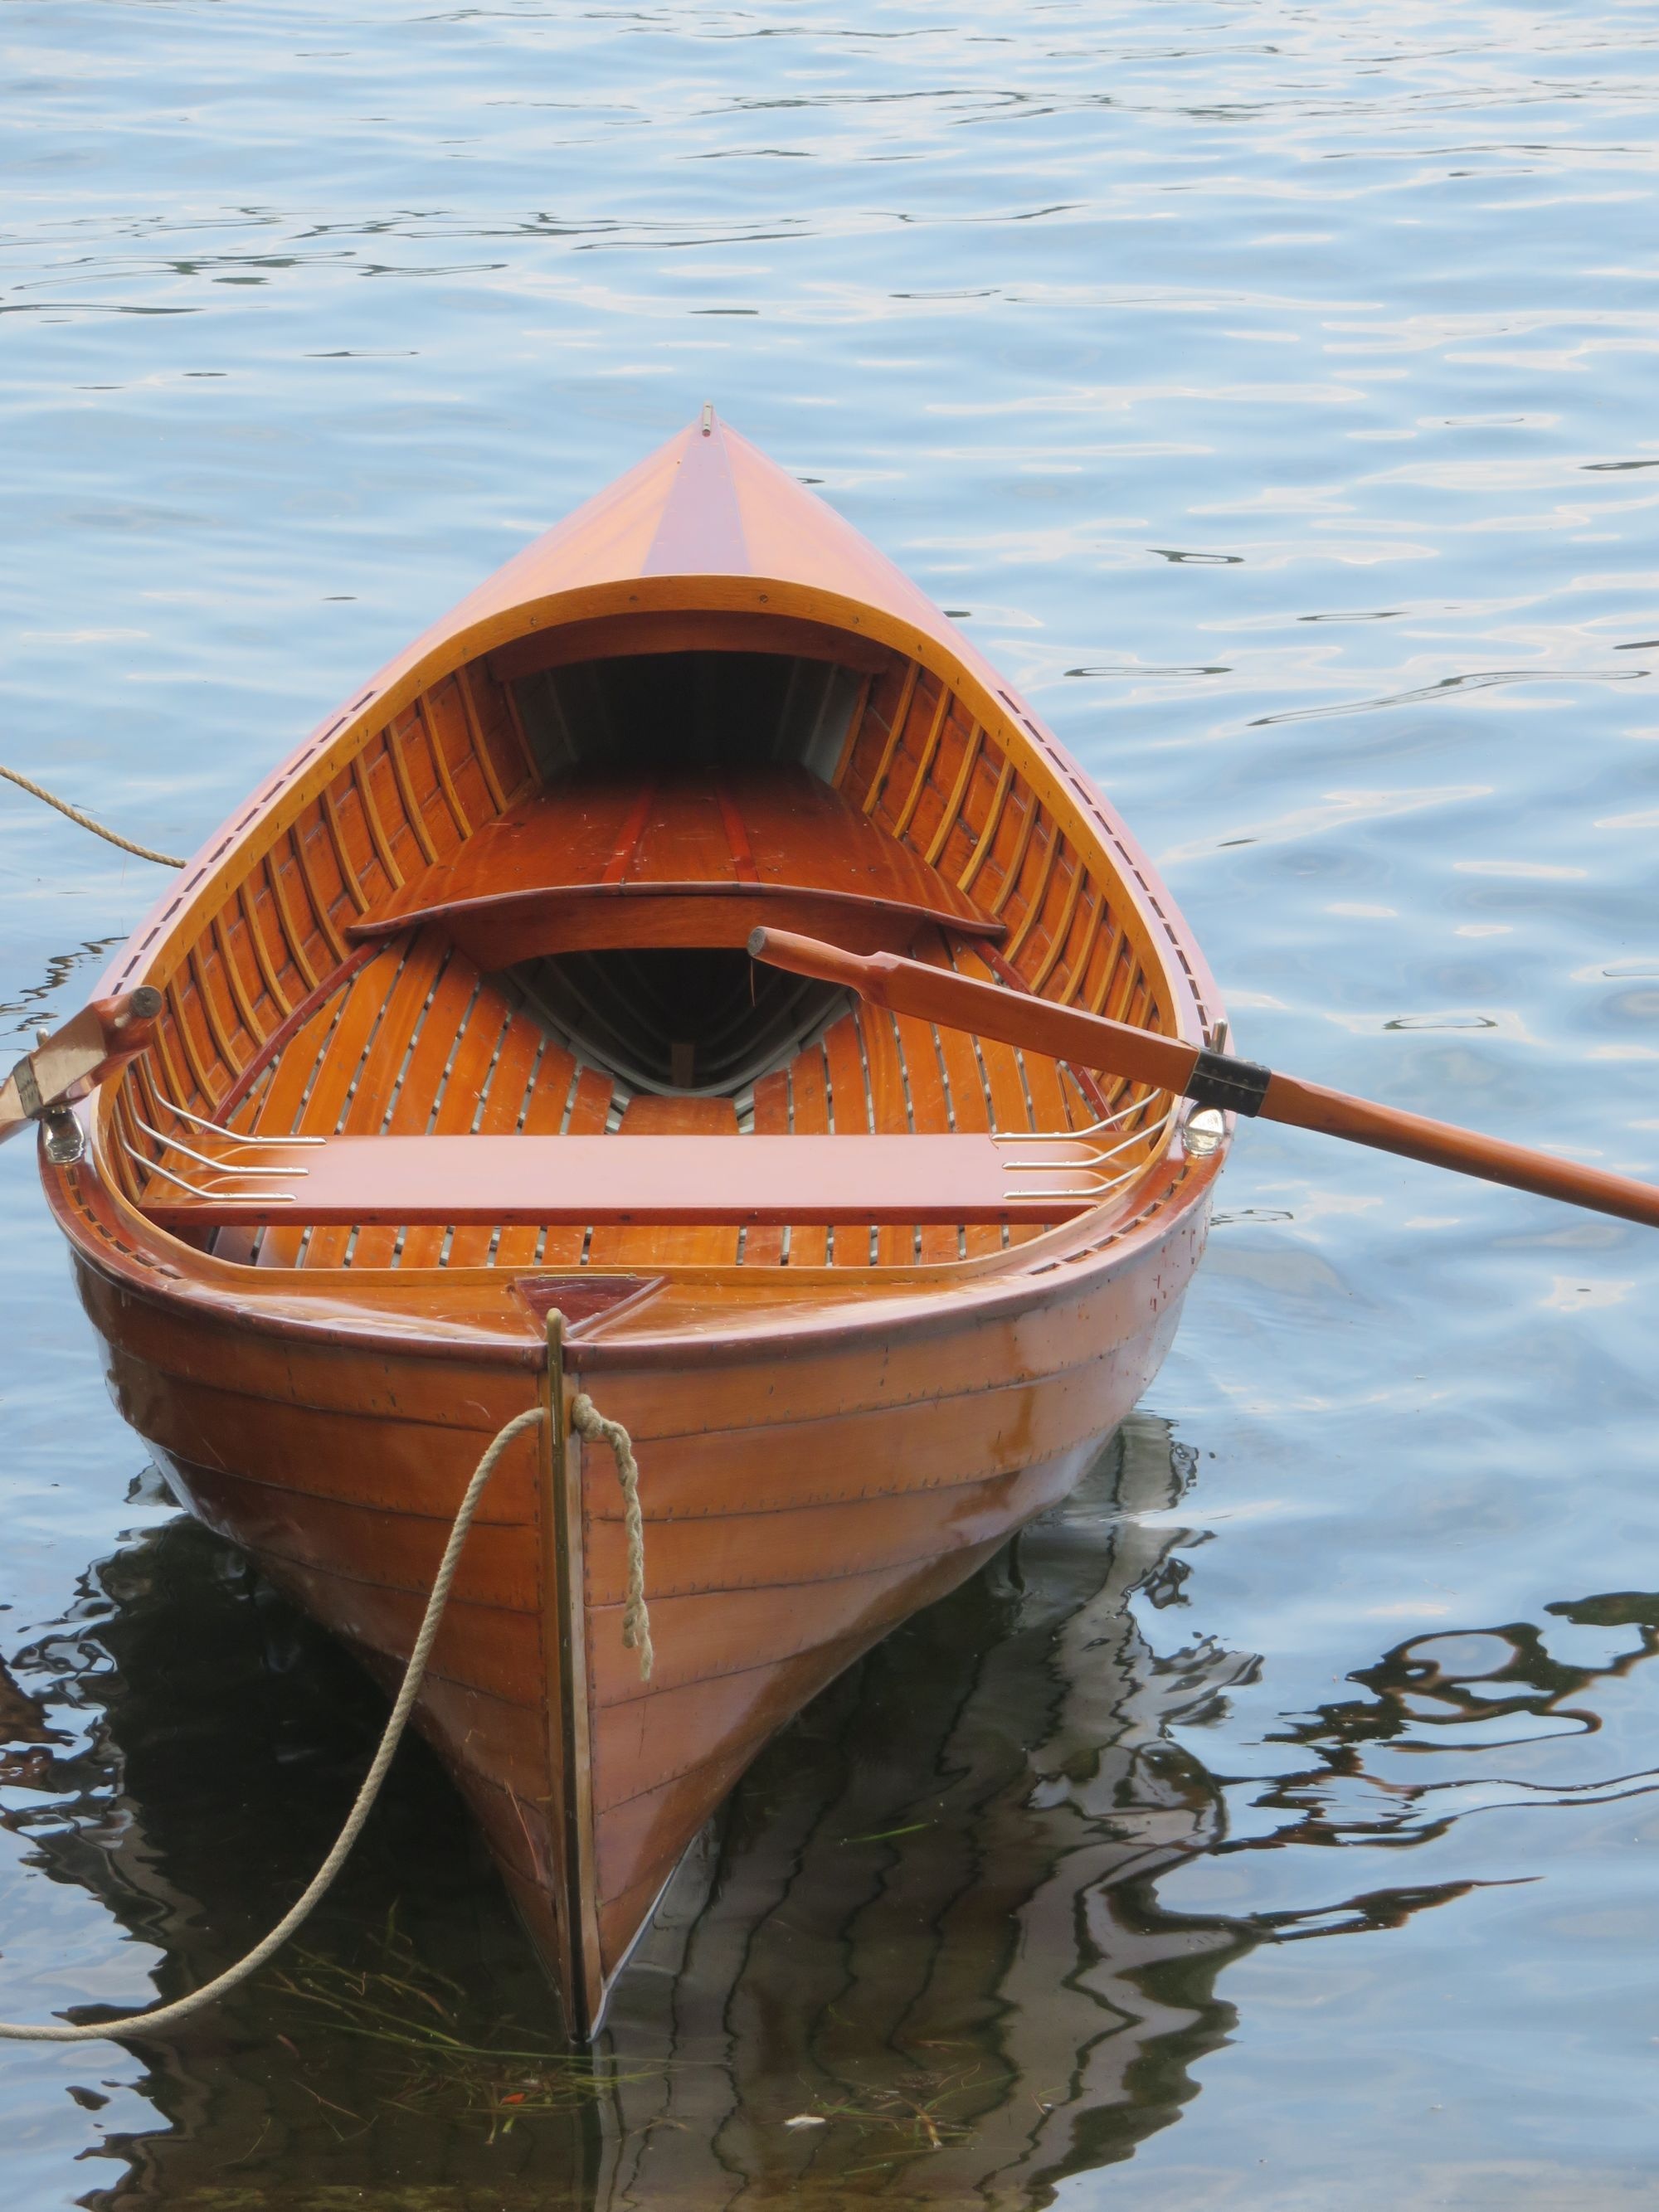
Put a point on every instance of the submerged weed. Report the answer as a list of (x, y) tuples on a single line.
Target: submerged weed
[(912, 2113), (436, 2059)]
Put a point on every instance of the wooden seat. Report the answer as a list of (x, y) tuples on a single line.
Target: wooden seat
[(696, 859), (665, 1180)]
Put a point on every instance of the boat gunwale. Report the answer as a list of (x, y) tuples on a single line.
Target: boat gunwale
[(827, 1301)]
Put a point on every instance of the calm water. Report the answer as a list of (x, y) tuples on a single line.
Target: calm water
[(1272, 389)]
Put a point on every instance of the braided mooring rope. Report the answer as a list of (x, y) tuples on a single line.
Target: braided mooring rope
[(112, 837), (169, 2015), (588, 1421)]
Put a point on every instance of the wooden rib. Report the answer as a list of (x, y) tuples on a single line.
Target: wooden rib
[(849, 1103), (509, 1079), (627, 837), (471, 1066), (233, 976), (952, 813), (854, 731), (590, 1110), (261, 950), (480, 748), (395, 996), (325, 928), (453, 992), (1005, 1092), (197, 1066), (1046, 966), (546, 1091), (1115, 950), (124, 1114), (140, 1077), (354, 890), (987, 835), (1051, 1105), (427, 721), (643, 1244), (378, 836), (936, 731), (972, 1112), (889, 1111), (515, 723), (1017, 859), (918, 1046), (1119, 1004), (895, 732), (809, 1243), (406, 791), (1097, 926), (286, 918), (1038, 899), (195, 964), (763, 1246), (178, 1087), (737, 837)]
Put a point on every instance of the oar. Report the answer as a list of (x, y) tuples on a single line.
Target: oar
[(64, 1066), (1210, 1078)]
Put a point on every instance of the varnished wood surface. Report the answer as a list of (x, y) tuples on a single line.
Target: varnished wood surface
[(670, 1178), (567, 868), (836, 1421)]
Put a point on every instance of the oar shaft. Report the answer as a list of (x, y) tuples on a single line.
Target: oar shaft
[(1211, 1078), (1444, 1145)]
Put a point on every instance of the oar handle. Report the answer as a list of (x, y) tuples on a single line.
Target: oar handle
[(63, 1067), (1210, 1078)]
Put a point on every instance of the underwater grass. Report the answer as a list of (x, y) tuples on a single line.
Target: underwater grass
[(435, 2062)]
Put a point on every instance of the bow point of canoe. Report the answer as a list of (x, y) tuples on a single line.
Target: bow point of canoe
[(457, 1029)]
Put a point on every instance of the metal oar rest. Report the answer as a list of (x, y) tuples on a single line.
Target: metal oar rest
[(221, 1180), (693, 859)]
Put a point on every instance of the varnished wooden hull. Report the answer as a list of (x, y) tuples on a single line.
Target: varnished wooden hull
[(834, 1426), (796, 1511)]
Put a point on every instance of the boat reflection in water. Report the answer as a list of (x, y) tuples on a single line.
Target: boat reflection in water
[(925, 1930)]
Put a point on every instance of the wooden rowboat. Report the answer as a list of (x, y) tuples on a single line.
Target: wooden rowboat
[(867, 1291)]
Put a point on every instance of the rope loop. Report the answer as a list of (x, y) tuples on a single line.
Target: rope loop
[(588, 1421)]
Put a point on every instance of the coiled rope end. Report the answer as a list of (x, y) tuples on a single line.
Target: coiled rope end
[(589, 1422)]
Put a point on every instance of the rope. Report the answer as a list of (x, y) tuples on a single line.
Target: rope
[(167, 2016), (588, 1421), (39, 791)]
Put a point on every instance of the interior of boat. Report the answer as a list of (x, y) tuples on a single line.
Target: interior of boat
[(521, 909)]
